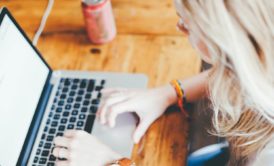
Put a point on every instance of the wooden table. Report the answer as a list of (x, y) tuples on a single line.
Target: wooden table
[(147, 42)]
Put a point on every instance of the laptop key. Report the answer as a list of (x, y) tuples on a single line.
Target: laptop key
[(74, 112), (41, 144), (86, 102), (43, 136), (103, 82), (50, 114), (59, 109), (83, 84), (35, 160), (68, 107), (42, 161), (72, 119), (61, 103), (38, 151), (74, 87), (81, 92), (47, 145), (61, 128), (76, 105), (46, 129), (70, 126), (63, 96), (89, 123), (98, 88), (50, 164), (50, 138), (72, 93), (99, 95), (67, 82), (93, 109), (88, 96), (66, 114), (84, 109), (56, 116), (95, 101), (53, 107), (52, 158), (45, 153), (70, 100), (59, 134), (65, 90), (64, 120), (76, 80), (80, 123), (54, 123), (82, 116), (79, 99), (90, 85), (52, 131)]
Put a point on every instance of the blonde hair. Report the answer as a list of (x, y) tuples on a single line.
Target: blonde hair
[(239, 35)]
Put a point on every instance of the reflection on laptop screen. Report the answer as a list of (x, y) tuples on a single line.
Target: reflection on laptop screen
[(22, 78)]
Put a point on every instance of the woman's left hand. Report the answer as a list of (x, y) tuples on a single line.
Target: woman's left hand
[(82, 149)]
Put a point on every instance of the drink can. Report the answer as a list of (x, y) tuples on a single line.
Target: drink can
[(99, 20)]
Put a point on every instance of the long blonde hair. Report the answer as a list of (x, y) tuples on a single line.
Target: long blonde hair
[(239, 35)]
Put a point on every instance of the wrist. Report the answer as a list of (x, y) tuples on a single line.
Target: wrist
[(170, 94)]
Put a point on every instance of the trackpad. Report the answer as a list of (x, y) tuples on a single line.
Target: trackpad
[(118, 138)]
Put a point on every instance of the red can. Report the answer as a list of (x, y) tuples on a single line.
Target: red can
[(99, 20)]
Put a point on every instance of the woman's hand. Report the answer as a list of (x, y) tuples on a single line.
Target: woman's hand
[(149, 105), (82, 149)]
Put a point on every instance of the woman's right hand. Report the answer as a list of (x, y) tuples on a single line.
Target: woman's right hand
[(149, 105)]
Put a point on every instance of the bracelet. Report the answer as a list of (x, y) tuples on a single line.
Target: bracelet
[(122, 162), (177, 85)]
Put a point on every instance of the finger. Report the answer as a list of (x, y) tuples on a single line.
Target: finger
[(108, 91), (117, 109), (105, 106), (140, 131), (61, 153), (62, 163), (62, 142), (70, 133), (75, 133)]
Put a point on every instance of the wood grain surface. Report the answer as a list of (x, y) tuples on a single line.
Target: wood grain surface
[(147, 42)]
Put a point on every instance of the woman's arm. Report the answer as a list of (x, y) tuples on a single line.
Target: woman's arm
[(194, 88)]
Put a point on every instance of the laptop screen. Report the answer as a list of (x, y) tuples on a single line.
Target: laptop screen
[(23, 75)]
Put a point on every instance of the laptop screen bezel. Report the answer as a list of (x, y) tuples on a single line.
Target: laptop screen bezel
[(36, 120)]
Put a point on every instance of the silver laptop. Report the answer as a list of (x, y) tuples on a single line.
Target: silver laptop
[(38, 104)]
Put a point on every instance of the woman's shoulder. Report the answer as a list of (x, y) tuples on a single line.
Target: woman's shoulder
[(265, 157)]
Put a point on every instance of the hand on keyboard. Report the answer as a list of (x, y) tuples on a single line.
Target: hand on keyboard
[(149, 105), (81, 148)]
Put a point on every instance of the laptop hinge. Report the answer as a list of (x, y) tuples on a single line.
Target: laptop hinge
[(35, 124)]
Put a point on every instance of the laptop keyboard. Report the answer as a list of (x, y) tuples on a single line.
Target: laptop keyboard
[(74, 107)]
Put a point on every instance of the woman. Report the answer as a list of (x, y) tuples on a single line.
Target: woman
[(237, 38)]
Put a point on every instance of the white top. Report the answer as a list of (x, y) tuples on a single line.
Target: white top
[(265, 157)]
